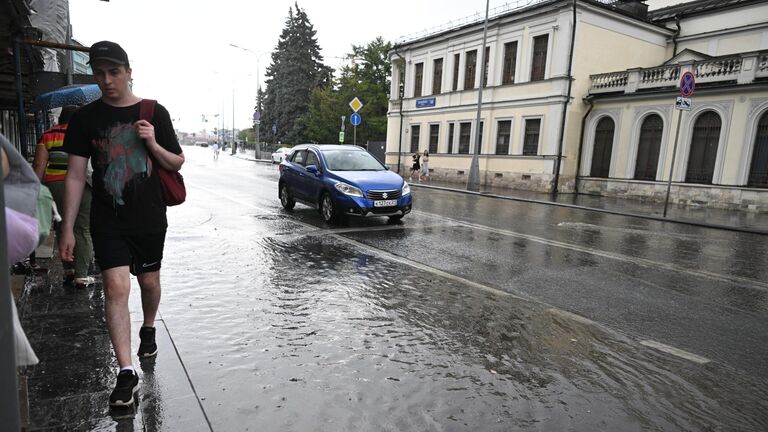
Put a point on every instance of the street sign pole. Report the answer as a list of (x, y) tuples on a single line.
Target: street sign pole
[(354, 135), (672, 166), (687, 86)]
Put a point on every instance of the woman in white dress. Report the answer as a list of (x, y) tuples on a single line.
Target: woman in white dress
[(424, 167)]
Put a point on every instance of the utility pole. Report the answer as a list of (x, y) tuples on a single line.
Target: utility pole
[(473, 182)]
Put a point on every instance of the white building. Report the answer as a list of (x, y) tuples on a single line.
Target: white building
[(619, 121)]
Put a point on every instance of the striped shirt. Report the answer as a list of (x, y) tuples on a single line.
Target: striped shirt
[(53, 140)]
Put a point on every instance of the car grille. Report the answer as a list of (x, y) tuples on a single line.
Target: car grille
[(379, 195)]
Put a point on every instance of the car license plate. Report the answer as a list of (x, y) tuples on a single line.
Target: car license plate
[(385, 203)]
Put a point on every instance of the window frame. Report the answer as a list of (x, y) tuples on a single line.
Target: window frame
[(417, 128), (595, 126), (467, 75), (456, 71), (523, 123), (511, 121), (437, 139), (451, 137), (418, 79), (532, 54), (513, 64), (437, 82), (469, 143)]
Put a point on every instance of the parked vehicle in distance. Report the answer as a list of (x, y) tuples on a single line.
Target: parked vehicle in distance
[(342, 181), (202, 143), (279, 154)]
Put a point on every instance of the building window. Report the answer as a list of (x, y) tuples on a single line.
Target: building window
[(456, 71), (601, 155), (465, 132), (434, 134), (437, 76), (480, 138), (469, 69), (487, 62), (451, 127), (415, 138), (510, 63), (758, 172), (531, 138), (701, 161), (418, 78), (502, 138), (648, 148), (539, 60)]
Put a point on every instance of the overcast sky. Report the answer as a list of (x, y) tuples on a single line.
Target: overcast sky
[(181, 55)]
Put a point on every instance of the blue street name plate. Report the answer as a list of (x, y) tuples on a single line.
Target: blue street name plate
[(425, 103)]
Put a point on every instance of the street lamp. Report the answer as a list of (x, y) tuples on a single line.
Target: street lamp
[(258, 81)]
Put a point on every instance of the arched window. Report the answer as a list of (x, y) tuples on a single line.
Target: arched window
[(601, 156), (758, 172), (701, 161), (648, 148)]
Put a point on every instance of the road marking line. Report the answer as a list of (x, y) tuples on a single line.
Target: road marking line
[(675, 351), (619, 257), (392, 257)]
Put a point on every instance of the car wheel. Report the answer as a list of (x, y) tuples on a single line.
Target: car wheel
[(285, 198), (328, 209)]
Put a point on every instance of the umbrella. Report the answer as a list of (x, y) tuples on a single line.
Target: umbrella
[(78, 94)]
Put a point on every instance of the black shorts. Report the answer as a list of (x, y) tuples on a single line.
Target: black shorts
[(143, 252)]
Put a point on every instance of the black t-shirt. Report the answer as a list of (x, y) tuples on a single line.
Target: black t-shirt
[(126, 189)]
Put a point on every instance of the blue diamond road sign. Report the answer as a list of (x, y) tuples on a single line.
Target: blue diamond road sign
[(687, 84), (355, 119)]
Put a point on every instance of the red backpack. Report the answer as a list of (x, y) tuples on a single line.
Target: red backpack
[(171, 182)]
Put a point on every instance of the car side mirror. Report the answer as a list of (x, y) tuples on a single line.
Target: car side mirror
[(312, 169), (386, 167)]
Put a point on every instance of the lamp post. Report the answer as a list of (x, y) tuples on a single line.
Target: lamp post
[(473, 182), (258, 79)]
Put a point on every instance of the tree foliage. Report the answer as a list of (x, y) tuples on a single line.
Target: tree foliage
[(366, 77), (296, 70)]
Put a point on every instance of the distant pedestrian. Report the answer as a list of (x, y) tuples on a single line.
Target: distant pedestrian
[(50, 165), (128, 221), (215, 151), (416, 166), (424, 167)]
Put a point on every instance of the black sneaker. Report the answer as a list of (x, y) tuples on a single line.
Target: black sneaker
[(147, 347), (127, 384)]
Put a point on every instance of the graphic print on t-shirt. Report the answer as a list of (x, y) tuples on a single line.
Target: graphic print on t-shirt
[(124, 158)]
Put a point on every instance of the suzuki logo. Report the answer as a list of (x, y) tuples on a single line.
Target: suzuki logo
[(385, 195)]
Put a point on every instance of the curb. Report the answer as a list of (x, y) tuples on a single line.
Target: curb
[(613, 212)]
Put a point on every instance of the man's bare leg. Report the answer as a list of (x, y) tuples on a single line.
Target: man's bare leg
[(150, 296), (117, 287)]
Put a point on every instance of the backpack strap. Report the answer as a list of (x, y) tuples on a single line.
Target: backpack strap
[(147, 109)]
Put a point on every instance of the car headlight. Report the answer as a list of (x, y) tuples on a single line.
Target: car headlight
[(348, 189), (406, 189)]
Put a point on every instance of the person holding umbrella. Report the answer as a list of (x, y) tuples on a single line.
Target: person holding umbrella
[(50, 165)]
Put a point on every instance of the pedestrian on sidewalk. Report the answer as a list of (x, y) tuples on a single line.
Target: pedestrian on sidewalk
[(215, 151), (416, 166), (50, 165), (128, 220), (424, 167)]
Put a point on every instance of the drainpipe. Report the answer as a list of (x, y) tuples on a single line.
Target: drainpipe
[(588, 100), (674, 36), (565, 104), (400, 91), (20, 96)]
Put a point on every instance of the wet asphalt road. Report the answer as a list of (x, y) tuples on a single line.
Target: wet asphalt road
[(473, 314)]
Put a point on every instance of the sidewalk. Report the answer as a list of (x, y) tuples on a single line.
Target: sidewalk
[(69, 389)]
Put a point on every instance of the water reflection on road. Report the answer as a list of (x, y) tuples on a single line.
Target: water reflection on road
[(284, 326)]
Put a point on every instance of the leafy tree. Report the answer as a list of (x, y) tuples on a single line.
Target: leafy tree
[(365, 77), (296, 70)]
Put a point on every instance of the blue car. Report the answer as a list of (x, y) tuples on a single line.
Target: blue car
[(341, 181)]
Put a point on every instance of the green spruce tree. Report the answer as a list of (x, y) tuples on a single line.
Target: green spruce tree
[(366, 76), (296, 70)]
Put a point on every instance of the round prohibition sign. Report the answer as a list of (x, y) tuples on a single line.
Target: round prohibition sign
[(687, 84)]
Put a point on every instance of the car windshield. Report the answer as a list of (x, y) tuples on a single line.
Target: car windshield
[(351, 160)]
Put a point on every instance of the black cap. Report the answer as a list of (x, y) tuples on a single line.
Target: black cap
[(108, 51)]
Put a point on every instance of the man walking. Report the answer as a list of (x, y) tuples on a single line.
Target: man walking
[(50, 165), (128, 220)]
